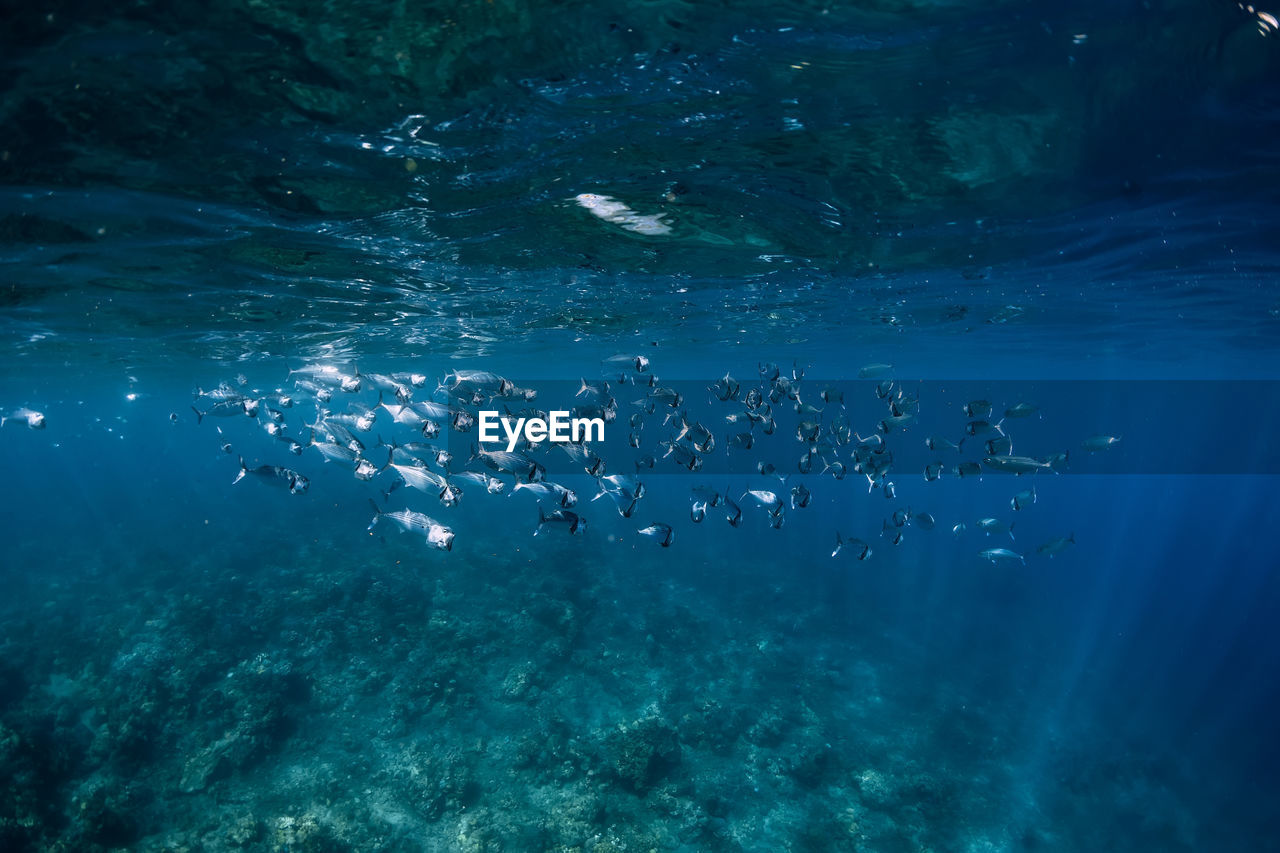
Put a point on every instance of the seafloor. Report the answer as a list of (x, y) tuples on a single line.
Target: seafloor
[(310, 700)]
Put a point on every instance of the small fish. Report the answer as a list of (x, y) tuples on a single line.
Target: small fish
[(645, 463), (615, 212), (896, 534), (417, 380), (1001, 555), (861, 550), (1015, 464), (276, 476), (708, 495), (1056, 545), (319, 392), (422, 479), (767, 499), (932, 471), (958, 529), (977, 428), (968, 469), (561, 495), (893, 422), (977, 408), (567, 519), (1058, 461), (941, 444), (733, 512), (660, 532), (437, 535), (807, 431), (491, 484), (800, 496), (1021, 410), (638, 363), (999, 446), (1023, 499), (684, 457), (622, 483), (698, 512), (923, 520), (220, 409), (994, 525), (509, 462), (725, 389), (35, 420), (1099, 442), (873, 371), (365, 470)]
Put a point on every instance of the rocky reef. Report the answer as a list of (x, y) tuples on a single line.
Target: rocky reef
[(504, 703)]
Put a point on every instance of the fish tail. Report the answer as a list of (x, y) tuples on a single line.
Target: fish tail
[(199, 415)]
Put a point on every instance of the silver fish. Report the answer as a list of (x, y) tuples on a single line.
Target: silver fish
[(994, 525), (437, 535), (1099, 442), (276, 476), (570, 520), (861, 550), (35, 420), (562, 495), (660, 532), (1015, 464), (1056, 545), (1001, 555)]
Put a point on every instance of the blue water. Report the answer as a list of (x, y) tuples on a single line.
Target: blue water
[(1069, 206)]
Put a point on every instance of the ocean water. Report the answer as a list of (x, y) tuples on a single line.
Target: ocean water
[(829, 229)]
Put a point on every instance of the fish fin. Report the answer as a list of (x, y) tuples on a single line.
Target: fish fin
[(542, 519), (243, 470), (376, 509), (1011, 539), (199, 415)]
